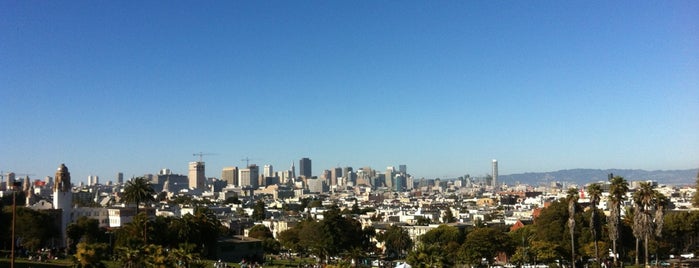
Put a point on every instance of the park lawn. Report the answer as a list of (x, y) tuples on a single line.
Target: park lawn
[(23, 263)]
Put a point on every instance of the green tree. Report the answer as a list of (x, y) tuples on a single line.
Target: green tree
[(269, 244), (130, 257), (447, 239), (233, 200), (312, 237), (133, 234), (486, 243), (396, 241), (448, 216), (91, 255), (661, 203), (341, 233), (259, 211), (617, 194), (138, 190), (523, 236), (35, 228), (209, 229), (84, 230), (156, 256), (572, 199), (643, 221), (183, 256), (427, 256), (594, 192), (260, 231), (355, 208), (314, 203), (423, 221), (545, 251), (290, 239)]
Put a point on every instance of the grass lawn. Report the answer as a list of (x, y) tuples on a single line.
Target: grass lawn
[(23, 263)]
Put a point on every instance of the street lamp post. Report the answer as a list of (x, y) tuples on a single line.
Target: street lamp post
[(15, 184)]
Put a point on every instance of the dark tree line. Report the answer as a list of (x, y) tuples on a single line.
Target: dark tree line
[(335, 235)]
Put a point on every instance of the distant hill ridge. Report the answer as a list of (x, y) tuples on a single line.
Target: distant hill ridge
[(583, 176)]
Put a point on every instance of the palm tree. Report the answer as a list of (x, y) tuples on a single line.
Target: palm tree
[(138, 190), (661, 203), (643, 221), (617, 194), (594, 191), (129, 257), (572, 199)]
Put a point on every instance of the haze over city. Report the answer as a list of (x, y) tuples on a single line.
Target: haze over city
[(443, 88)]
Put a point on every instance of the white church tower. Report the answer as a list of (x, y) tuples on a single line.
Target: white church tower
[(63, 198)]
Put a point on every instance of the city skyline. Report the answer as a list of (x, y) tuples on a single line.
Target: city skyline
[(443, 88)]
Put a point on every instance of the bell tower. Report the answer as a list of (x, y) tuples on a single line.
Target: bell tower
[(63, 198)]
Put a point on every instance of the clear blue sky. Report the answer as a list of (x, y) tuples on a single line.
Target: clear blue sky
[(443, 87)]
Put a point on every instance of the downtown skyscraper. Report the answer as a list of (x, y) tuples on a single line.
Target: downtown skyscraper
[(197, 179), (494, 183), (305, 167)]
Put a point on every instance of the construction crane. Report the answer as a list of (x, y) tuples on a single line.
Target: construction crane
[(200, 154), (247, 161)]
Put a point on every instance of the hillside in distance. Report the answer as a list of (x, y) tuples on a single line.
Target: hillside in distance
[(584, 176)]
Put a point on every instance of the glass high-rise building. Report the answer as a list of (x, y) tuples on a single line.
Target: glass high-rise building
[(305, 167)]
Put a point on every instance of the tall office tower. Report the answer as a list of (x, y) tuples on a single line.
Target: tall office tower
[(93, 180), (48, 181), (120, 178), (403, 169), (351, 179), (390, 176), (230, 175), (249, 177), (293, 171), (10, 179), (409, 183), (495, 174), (349, 176), (346, 171), (400, 183), (305, 167), (326, 176), (26, 184), (335, 174), (284, 176), (261, 181), (197, 179), (63, 199), (268, 171), (316, 185)]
